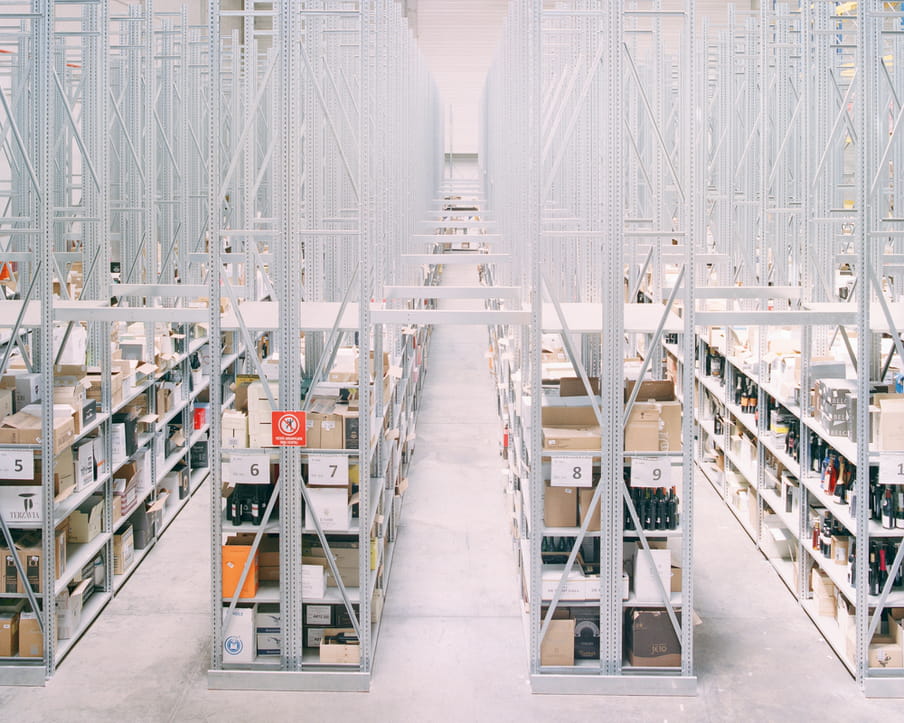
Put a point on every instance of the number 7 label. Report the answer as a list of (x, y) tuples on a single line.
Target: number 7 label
[(328, 469), (571, 472)]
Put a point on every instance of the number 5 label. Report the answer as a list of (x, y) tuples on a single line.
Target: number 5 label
[(651, 472), (572, 472), (17, 464), (891, 468), (328, 469)]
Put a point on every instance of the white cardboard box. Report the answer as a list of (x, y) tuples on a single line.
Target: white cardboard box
[(84, 465), (239, 637), (574, 588), (332, 507), (269, 644), (645, 587), (313, 582)]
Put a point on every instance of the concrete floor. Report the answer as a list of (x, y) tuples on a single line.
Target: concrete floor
[(452, 646)]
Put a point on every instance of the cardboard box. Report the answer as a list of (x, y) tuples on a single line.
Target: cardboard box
[(332, 507), (86, 522), (650, 639), (575, 587), (644, 574), (345, 553), (69, 609), (557, 647), (6, 409), (28, 389), (239, 637), (586, 633), (31, 641), (335, 653), (31, 556), (891, 424), (268, 618), (313, 582), (645, 430), (585, 495), (9, 632), (313, 636), (560, 506), (84, 469), (235, 553), (269, 644), (670, 413), (234, 430), (885, 650), (123, 551), (318, 615), (570, 428), (24, 428)]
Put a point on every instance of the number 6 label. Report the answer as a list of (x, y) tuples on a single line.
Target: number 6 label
[(572, 472), (891, 468), (250, 469), (328, 469)]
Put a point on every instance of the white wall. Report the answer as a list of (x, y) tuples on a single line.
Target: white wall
[(459, 37)]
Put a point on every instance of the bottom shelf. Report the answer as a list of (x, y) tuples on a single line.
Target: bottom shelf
[(95, 604), (829, 629)]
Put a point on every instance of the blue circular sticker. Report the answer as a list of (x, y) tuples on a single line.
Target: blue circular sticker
[(233, 645)]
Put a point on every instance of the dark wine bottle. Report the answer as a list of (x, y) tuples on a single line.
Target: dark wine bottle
[(888, 512), (673, 509), (648, 520), (873, 572), (899, 507), (883, 568)]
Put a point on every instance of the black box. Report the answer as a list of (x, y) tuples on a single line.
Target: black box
[(130, 421), (184, 480), (650, 639), (586, 633), (351, 432), (89, 412), (11, 574), (199, 455), (341, 618)]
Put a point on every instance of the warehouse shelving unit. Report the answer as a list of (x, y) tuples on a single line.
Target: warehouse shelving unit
[(817, 291), (563, 141), (319, 167), (76, 104)]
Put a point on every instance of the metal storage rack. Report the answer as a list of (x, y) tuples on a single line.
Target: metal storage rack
[(319, 164), (75, 108), (817, 264), (563, 142)]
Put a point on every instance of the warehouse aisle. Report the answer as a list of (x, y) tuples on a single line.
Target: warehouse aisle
[(453, 596)]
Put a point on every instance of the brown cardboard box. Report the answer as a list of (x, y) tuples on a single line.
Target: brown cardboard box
[(560, 506), (31, 555), (570, 428), (891, 424), (345, 554), (557, 647), (31, 642), (574, 386), (123, 551), (86, 522), (663, 393), (339, 653), (585, 494), (650, 639), (9, 632), (642, 430), (22, 428)]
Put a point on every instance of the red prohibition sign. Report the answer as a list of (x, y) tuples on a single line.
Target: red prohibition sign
[(289, 429)]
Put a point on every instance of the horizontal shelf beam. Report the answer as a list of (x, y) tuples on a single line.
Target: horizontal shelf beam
[(288, 680)]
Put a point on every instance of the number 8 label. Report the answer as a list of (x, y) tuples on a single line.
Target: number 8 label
[(571, 472)]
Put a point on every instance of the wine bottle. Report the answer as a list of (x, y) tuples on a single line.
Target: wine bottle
[(235, 511), (648, 520), (342, 639), (715, 366), (673, 509), (883, 568), (658, 510), (815, 534), (899, 508), (873, 577), (738, 393), (888, 513), (825, 539)]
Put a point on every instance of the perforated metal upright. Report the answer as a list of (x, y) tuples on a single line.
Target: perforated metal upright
[(558, 158)]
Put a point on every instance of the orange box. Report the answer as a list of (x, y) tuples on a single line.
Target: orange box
[(235, 553)]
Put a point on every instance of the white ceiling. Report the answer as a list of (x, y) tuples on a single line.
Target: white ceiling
[(459, 37)]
